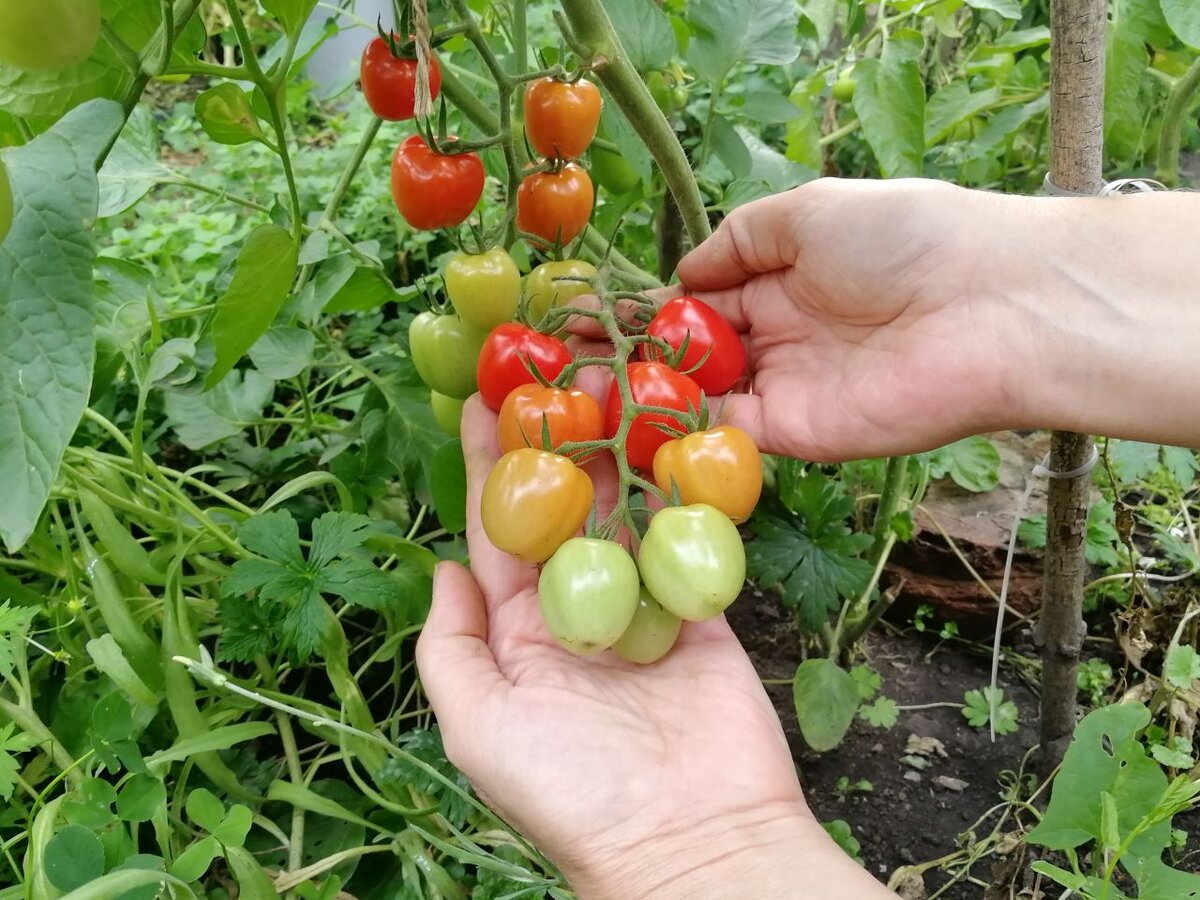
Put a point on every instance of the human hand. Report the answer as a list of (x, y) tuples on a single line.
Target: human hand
[(666, 780)]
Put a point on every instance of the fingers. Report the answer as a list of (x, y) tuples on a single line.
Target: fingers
[(457, 668), (744, 411), (587, 327)]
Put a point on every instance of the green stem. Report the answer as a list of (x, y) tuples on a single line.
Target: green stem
[(1178, 104), (30, 724), (714, 98), (291, 753), (592, 27)]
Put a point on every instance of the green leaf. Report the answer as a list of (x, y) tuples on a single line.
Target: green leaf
[(265, 268), (73, 857), (210, 741), (1126, 62), (1009, 9), (426, 746), (843, 836), (1184, 18), (448, 483), (972, 463), (889, 98), (728, 146), (235, 826), (1181, 463), (954, 104), (283, 352), (1177, 755), (253, 881), (335, 533), (274, 535), (141, 797), (978, 710), (364, 290), (358, 581), (645, 32), (225, 115), (192, 863), (133, 166), (306, 622), (1020, 39), (1182, 667), (769, 108), (754, 31), (204, 809), (883, 713), (804, 132), (110, 659), (866, 681), (826, 701), (1132, 460), (823, 15), (47, 345), (1003, 125), (291, 14), (14, 626), (234, 405), (10, 745)]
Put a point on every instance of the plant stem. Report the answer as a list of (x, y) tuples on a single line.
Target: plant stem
[(1182, 96), (592, 28)]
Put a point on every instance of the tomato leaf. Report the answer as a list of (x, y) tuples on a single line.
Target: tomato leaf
[(265, 268), (953, 104), (291, 14), (225, 115), (826, 701), (645, 31), (972, 463), (133, 166), (448, 483), (47, 342), (728, 146), (1184, 18), (889, 98), (1009, 9), (755, 31)]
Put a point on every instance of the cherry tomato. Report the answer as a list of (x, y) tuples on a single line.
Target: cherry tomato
[(570, 414), (48, 34), (666, 92), (588, 593), (706, 332), (613, 173), (485, 288), (447, 412), (720, 467), (654, 384), (692, 561), (561, 117), (444, 349), (544, 292), (651, 634), (505, 356), (843, 88), (533, 501), (389, 85), (6, 202), (555, 206), (435, 190)]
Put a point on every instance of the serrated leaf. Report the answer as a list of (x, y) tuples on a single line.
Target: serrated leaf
[(334, 533), (305, 624), (1182, 667), (889, 98), (883, 713), (12, 742), (265, 268), (274, 535), (645, 31), (358, 581), (754, 31), (47, 341), (978, 710), (972, 463), (14, 625), (826, 701), (866, 681)]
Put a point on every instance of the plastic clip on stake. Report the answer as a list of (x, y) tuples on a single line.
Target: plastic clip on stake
[(1041, 470)]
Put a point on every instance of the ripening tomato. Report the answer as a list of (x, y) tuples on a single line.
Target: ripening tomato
[(571, 415), (533, 501), (485, 288), (6, 202), (588, 594), (389, 84), (544, 290), (555, 206), (561, 117), (447, 412), (653, 384), (435, 190), (706, 331), (444, 349), (720, 467), (48, 35), (692, 561), (651, 634), (506, 355)]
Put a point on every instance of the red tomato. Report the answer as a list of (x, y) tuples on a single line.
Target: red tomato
[(555, 206), (389, 84), (506, 353), (571, 415), (561, 117), (710, 333), (434, 190), (652, 384)]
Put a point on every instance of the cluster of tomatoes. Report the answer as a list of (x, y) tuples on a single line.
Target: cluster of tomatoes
[(435, 189)]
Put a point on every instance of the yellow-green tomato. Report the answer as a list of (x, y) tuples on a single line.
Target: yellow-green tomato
[(6, 202), (447, 411), (843, 88), (588, 592), (48, 34), (445, 350), (485, 288), (651, 634), (692, 561), (551, 285)]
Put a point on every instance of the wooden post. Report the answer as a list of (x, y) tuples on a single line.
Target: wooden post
[(1076, 164)]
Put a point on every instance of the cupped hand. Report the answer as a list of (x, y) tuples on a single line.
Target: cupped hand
[(605, 765), (871, 315)]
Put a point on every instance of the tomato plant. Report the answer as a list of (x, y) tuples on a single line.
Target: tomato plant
[(48, 34), (6, 202), (533, 501), (650, 384), (720, 467), (570, 415), (715, 358), (588, 594), (555, 205), (435, 190), (485, 288), (508, 355), (389, 82), (692, 561), (651, 633), (445, 350), (561, 117), (557, 283)]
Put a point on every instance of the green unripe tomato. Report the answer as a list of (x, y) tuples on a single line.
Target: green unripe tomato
[(612, 172), (588, 592), (544, 293), (447, 411), (651, 634), (484, 287), (445, 350), (48, 35), (692, 561), (666, 93), (6, 202), (843, 88)]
